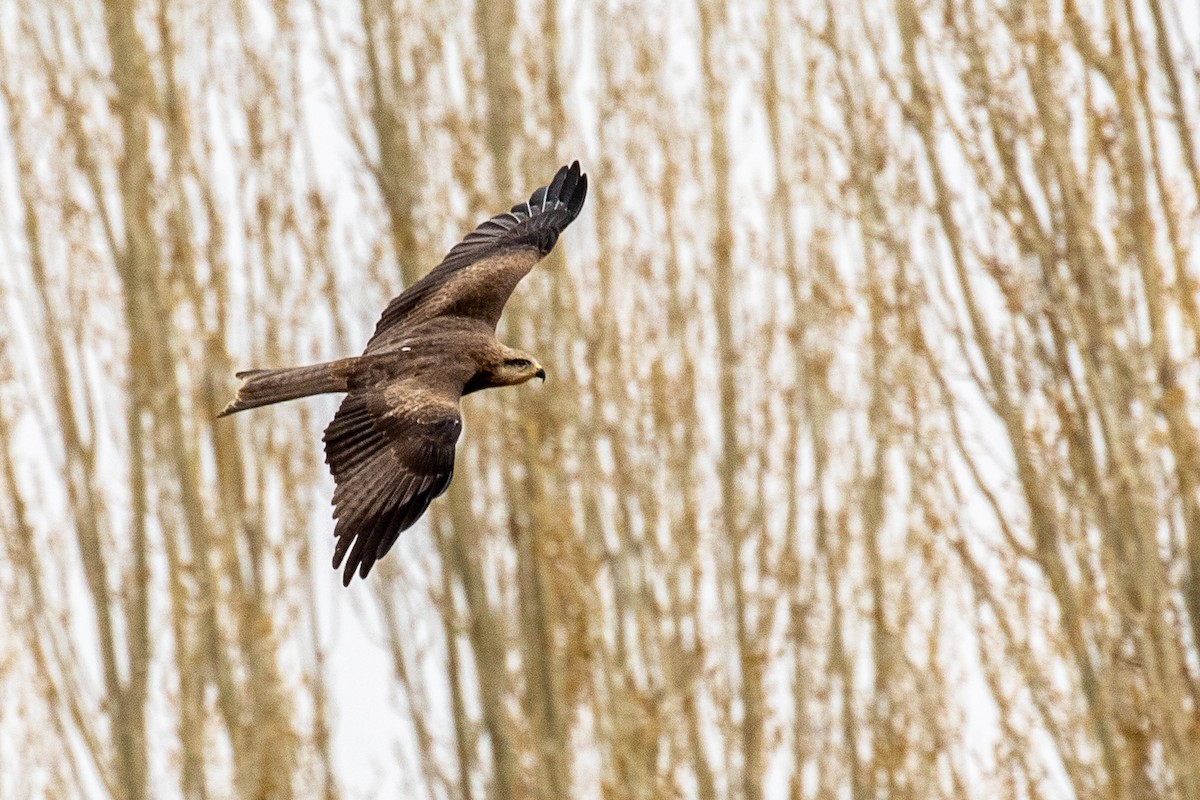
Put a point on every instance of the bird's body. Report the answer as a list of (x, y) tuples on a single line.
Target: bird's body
[(391, 444)]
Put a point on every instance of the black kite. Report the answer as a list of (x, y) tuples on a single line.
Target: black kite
[(390, 446)]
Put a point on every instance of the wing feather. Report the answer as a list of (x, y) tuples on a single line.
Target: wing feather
[(389, 459), (479, 273)]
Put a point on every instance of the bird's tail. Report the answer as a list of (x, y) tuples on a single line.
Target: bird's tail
[(263, 387)]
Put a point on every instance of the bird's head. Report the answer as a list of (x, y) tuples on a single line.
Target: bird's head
[(517, 367)]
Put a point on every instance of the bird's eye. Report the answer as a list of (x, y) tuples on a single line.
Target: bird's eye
[(519, 363)]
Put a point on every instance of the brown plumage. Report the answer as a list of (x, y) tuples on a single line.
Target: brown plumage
[(391, 444)]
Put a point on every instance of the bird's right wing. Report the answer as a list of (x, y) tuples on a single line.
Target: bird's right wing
[(478, 275), (390, 448)]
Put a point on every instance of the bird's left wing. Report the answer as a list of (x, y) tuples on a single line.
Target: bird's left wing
[(478, 275), (390, 448)]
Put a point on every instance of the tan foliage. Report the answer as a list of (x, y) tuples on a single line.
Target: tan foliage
[(868, 464)]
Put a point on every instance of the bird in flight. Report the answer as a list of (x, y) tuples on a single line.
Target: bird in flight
[(391, 444)]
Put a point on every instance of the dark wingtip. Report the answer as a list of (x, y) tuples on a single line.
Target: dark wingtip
[(552, 192), (362, 566), (568, 188), (575, 204), (570, 180), (348, 572)]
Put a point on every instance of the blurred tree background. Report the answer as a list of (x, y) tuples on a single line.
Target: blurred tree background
[(868, 466)]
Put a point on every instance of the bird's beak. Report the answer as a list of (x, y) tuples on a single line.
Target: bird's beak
[(541, 373)]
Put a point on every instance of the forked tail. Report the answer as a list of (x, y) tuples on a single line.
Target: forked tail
[(264, 387)]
